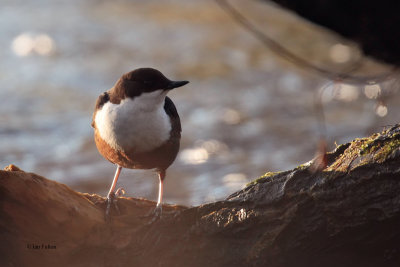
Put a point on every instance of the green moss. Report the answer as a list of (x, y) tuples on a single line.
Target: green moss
[(262, 178), (382, 146), (387, 149), (368, 144), (361, 151), (268, 174), (303, 166), (380, 149), (340, 148)]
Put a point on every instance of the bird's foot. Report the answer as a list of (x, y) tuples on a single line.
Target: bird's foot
[(155, 214), (120, 192), (112, 201)]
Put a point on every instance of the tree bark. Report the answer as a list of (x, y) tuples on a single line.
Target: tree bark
[(345, 215)]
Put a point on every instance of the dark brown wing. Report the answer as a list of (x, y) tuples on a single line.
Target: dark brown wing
[(170, 109)]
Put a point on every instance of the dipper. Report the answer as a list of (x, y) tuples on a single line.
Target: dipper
[(137, 126)]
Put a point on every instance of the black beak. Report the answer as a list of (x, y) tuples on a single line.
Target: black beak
[(175, 84)]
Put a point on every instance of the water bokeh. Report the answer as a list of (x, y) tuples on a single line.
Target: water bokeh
[(246, 111)]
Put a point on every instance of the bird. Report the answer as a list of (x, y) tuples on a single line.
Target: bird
[(137, 126)]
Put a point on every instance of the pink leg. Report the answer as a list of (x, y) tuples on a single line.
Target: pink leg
[(114, 183), (161, 177), (111, 198), (158, 210)]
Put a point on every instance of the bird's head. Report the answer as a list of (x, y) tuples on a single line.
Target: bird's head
[(147, 83)]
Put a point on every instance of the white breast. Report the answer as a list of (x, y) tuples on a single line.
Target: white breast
[(140, 124)]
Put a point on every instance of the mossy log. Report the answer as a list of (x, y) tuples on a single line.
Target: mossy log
[(345, 215)]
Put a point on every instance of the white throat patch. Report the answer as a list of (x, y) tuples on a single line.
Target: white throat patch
[(140, 124)]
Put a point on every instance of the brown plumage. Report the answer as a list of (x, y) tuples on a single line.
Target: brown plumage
[(137, 107)]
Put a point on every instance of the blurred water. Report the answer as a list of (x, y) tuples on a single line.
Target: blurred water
[(245, 111)]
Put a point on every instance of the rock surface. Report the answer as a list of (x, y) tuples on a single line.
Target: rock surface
[(345, 215)]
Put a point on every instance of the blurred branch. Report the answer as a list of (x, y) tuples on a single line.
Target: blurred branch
[(280, 50), (368, 23)]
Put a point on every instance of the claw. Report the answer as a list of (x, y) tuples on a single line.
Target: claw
[(120, 192), (113, 196), (111, 200), (157, 211), (155, 214)]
